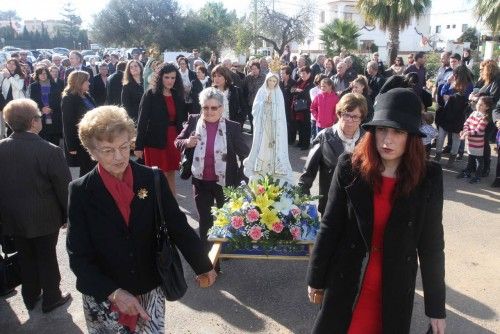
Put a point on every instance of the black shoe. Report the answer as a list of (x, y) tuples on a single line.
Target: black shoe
[(496, 183), (460, 156), (463, 174), (475, 179), (6, 292), (447, 149), (66, 297)]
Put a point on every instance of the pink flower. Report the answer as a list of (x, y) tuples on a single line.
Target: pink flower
[(255, 233), (295, 212), (253, 215), (278, 227), (295, 231), (237, 222), (260, 189)]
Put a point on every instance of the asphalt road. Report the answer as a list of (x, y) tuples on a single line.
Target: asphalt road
[(263, 296)]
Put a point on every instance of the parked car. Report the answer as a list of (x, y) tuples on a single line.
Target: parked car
[(88, 52), (9, 48), (61, 51)]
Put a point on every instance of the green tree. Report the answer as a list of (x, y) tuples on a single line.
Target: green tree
[(71, 21), (7, 15), (489, 12), (139, 23), (470, 35), (392, 15), (243, 36), (220, 21), (338, 35), (279, 29)]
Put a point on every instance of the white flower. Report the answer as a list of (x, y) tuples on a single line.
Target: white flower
[(284, 205)]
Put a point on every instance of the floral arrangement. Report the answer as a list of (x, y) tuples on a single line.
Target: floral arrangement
[(265, 212)]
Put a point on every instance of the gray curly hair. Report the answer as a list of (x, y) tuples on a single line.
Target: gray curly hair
[(211, 93)]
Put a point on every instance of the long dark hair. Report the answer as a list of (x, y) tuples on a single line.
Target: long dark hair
[(19, 69), (463, 78), (411, 170), (39, 71), (157, 82)]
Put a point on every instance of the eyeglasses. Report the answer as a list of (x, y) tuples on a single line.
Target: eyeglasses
[(109, 151), (212, 108), (354, 118)]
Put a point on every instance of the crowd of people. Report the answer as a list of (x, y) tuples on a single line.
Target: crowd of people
[(115, 119)]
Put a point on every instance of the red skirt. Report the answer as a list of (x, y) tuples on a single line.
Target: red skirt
[(168, 158)]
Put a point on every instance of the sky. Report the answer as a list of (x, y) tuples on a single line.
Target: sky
[(51, 9)]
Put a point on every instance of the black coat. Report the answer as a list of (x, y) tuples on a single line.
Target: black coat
[(98, 90), (341, 251), (105, 254), (323, 156), (237, 149), (376, 82), (54, 103), (196, 88), (451, 117), (154, 121), (131, 98), (73, 109), (114, 89), (287, 96), (34, 192), (236, 112)]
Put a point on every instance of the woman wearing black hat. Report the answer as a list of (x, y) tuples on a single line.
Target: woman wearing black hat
[(384, 208)]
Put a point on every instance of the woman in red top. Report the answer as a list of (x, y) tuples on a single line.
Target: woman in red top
[(161, 115), (384, 209)]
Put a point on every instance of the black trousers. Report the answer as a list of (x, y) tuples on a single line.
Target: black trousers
[(205, 194), (475, 164), (304, 128), (39, 268)]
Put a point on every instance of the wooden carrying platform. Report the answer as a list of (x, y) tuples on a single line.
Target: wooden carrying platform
[(218, 243)]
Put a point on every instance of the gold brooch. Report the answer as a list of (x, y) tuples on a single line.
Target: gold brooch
[(143, 193)]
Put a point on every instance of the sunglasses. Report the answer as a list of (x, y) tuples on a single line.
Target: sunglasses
[(212, 108)]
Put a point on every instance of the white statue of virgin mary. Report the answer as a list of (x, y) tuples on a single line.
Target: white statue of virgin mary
[(269, 153)]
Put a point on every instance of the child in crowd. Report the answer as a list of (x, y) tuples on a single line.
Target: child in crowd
[(323, 105), (313, 93), (430, 132), (474, 129)]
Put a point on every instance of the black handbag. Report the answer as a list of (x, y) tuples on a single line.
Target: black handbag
[(168, 262), (186, 163), (10, 276), (300, 105)]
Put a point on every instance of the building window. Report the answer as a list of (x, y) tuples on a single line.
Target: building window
[(464, 27), (454, 26), (438, 29), (447, 26), (322, 16)]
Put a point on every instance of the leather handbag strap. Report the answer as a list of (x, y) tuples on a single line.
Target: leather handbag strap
[(161, 224)]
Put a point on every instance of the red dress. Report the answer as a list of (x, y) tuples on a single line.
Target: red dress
[(367, 315), (169, 157)]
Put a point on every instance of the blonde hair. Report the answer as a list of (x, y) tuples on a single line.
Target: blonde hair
[(19, 113), (351, 101), (104, 124), (75, 82)]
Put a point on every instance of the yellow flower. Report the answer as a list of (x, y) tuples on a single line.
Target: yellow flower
[(235, 204), (220, 220), (273, 191), (268, 217), (263, 201)]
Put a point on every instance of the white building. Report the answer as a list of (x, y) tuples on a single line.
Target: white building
[(410, 39), (449, 20)]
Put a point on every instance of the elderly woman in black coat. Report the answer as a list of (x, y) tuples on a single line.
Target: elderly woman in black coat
[(331, 143), (47, 95), (384, 212), (217, 145), (201, 82), (112, 231)]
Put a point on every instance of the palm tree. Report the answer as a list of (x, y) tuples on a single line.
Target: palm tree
[(338, 35), (489, 12), (392, 15)]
